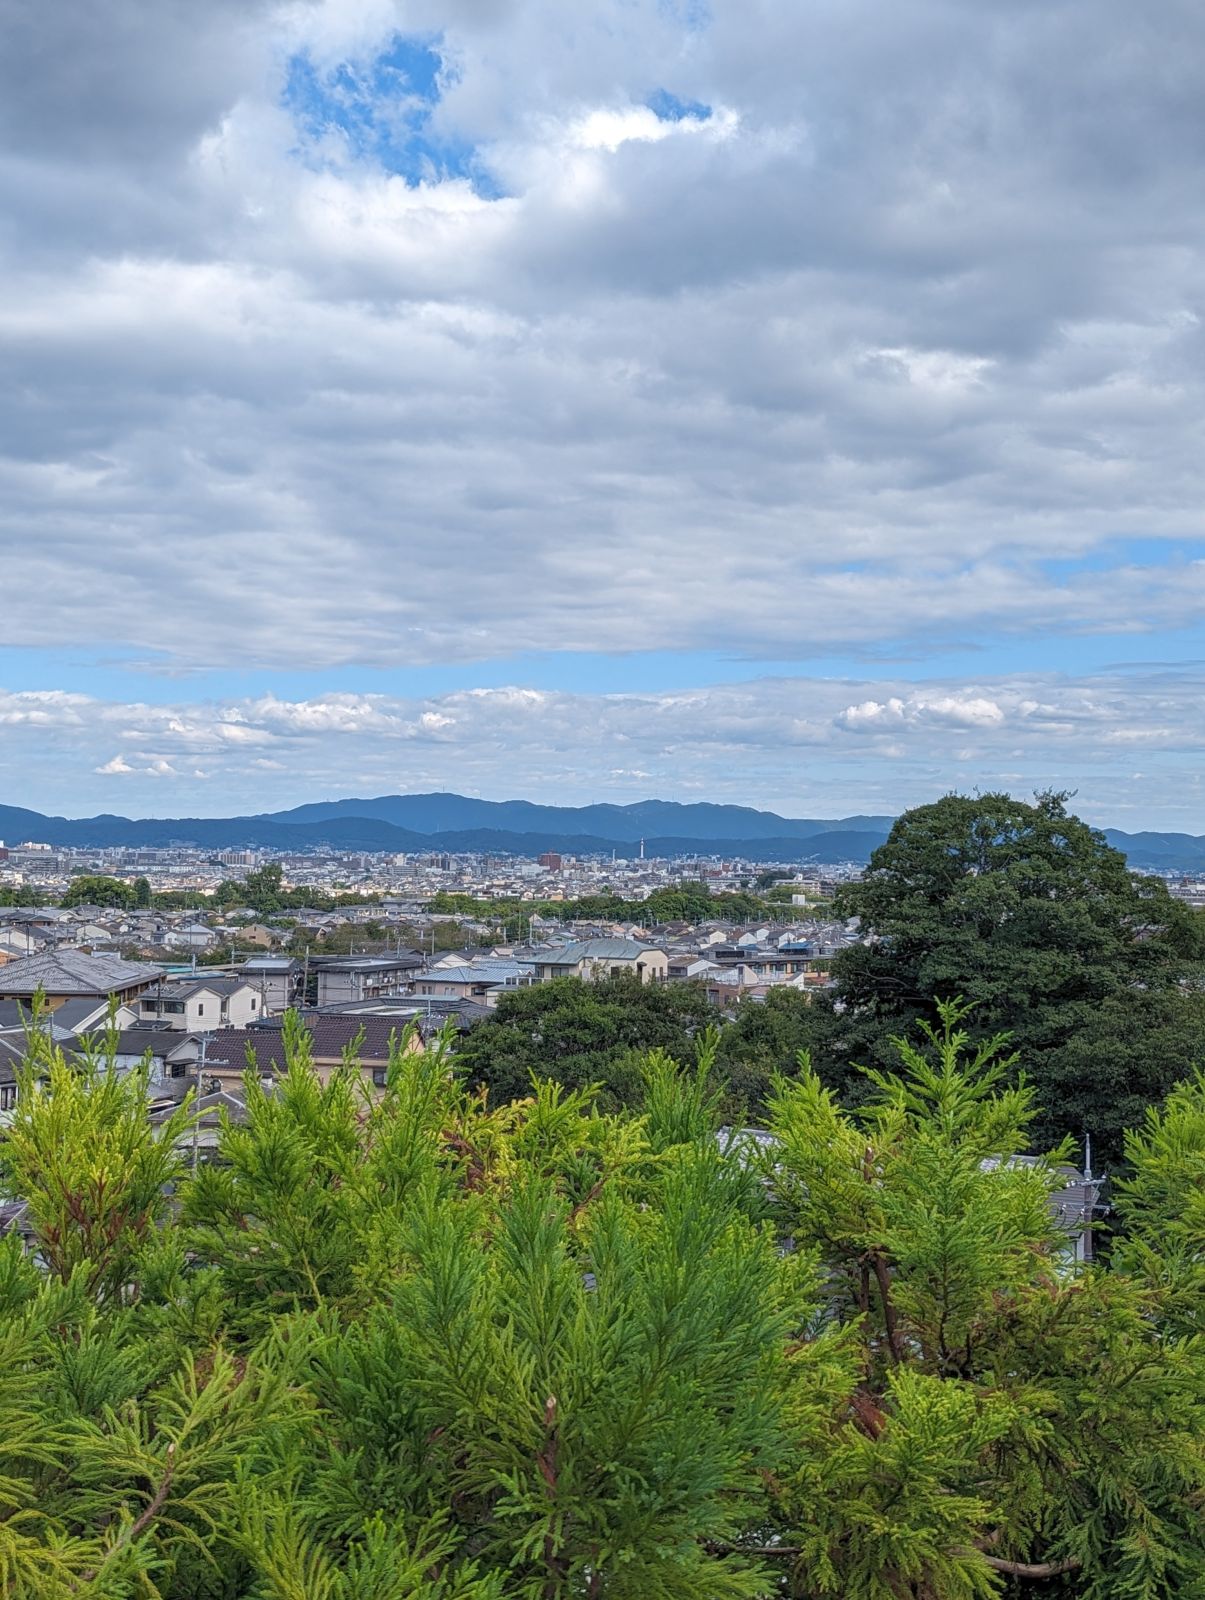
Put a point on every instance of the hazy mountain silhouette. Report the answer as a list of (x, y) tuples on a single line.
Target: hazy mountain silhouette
[(459, 823)]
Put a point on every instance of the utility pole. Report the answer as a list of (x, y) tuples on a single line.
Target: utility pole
[(196, 1130)]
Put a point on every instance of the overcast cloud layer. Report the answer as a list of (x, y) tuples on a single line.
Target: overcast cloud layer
[(368, 337)]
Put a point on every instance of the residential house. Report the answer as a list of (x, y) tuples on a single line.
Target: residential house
[(770, 965), (201, 1004), (19, 937), (278, 979), (228, 1054), (341, 978), (172, 1054), (15, 945), (603, 958), (429, 1013), (42, 924), (62, 975), (190, 936), (478, 980), (86, 1014), (686, 968)]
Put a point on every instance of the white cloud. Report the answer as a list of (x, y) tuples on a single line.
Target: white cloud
[(900, 319), (921, 709), (801, 746), (893, 346)]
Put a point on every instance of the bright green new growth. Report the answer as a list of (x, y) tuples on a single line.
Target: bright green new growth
[(418, 1347)]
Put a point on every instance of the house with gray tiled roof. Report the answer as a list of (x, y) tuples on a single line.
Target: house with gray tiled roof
[(604, 958), (70, 974), (202, 1003), (475, 980)]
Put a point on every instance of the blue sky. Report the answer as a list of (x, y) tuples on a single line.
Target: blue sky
[(798, 406)]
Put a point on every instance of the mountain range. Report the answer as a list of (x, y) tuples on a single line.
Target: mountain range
[(459, 823)]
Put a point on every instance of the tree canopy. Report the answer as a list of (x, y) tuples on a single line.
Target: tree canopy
[(686, 901), (1026, 911), (91, 889), (578, 1033)]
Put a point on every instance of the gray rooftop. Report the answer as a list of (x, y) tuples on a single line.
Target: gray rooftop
[(71, 972), (491, 972), (595, 950), (178, 988)]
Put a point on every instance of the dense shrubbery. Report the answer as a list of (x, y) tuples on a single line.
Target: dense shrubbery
[(430, 1349)]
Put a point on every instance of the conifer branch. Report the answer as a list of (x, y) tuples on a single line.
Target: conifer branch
[(143, 1521), (1032, 1569)]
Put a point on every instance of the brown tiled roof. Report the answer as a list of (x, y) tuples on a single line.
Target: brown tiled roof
[(329, 1036)]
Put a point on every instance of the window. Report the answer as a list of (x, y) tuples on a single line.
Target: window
[(380, 1076), (8, 1096), (200, 1008), (148, 1005)]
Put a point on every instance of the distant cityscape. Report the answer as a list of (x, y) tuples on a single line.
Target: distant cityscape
[(201, 951), (204, 948), (374, 836)]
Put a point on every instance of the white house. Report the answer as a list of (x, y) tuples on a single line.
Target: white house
[(604, 958), (199, 1005)]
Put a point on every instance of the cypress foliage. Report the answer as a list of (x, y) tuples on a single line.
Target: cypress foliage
[(416, 1346)]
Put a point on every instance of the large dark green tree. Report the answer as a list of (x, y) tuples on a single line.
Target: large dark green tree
[(763, 1040), (1029, 914), (93, 889), (579, 1033)]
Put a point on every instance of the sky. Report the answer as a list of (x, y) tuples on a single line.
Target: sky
[(789, 402)]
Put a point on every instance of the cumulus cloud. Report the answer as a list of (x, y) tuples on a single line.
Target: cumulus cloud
[(936, 710), (889, 334), (803, 746), (341, 335)]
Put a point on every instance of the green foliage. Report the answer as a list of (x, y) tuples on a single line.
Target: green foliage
[(1028, 913), (681, 1107), (765, 1038), (179, 899), (96, 1174), (93, 890), (379, 938), (1161, 1203), (412, 1345), (20, 895), (579, 1033), (993, 1409), (261, 890)]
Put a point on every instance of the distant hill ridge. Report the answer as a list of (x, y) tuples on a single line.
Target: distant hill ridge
[(459, 823), (645, 819)]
